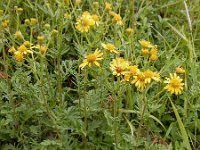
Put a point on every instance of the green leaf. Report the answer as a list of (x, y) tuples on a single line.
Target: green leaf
[(181, 127)]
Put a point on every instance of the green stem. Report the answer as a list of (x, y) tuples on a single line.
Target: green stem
[(59, 58), (85, 109)]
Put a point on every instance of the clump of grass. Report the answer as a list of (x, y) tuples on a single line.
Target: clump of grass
[(99, 75)]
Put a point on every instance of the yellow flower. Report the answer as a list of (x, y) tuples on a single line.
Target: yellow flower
[(174, 84), (42, 48), (77, 2), (19, 10), (67, 16), (145, 44), (139, 81), (145, 52), (84, 22), (33, 21), (95, 4), (19, 56), (127, 76), (133, 70), (12, 50), (96, 20), (149, 75), (23, 49), (5, 23), (117, 18), (118, 66), (129, 31), (108, 6), (40, 39), (154, 51), (153, 57), (92, 59), (27, 44), (110, 47), (18, 35), (180, 70), (27, 22)]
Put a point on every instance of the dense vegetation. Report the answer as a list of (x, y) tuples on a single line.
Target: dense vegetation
[(86, 74)]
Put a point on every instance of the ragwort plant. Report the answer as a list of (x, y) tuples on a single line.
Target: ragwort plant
[(99, 74)]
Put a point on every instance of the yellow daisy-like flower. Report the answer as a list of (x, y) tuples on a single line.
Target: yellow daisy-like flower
[(118, 66), (96, 19), (180, 70), (18, 35), (153, 57), (145, 44), (139, 81), (23, 49), (5, 23), (40, 39), (110, 47), (129, 31), (117, 18), (108, 6), (132, 71), (174, 84), (12, 50), (27, 44), (42, 48), (154, 51), (127, 76), (19, 56), (149, 75), (84, 22), (92, 59), (145, 52)]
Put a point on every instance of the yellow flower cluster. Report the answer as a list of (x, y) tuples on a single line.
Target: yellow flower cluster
[(132, 73), (25, 48), (5, 23), (21, 51), (85, 21), (148, 50)]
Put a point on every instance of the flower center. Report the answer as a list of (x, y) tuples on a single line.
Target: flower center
[(110, 47), (141, 77), (86, 22), (118, 18), (119, 69), (175, 83), (91, 58)]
